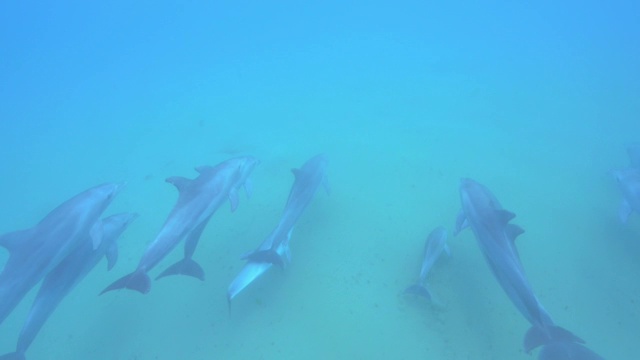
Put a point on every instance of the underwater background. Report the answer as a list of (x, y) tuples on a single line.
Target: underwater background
[(537, 101)]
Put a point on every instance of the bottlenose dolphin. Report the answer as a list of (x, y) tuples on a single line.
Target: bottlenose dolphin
[(307, 180), (482, 211), (629, 181), (61, 280), (275, 248), (36, 251), (197, 201), (434, 246)]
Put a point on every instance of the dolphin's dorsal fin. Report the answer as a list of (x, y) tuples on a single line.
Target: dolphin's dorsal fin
[(505, 215), (233, 199), (178, 181), (111, 255), (12, 240), (203, 168), (96, 233), (513, 231)]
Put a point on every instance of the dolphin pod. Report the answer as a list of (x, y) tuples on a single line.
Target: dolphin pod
[(69, 242)]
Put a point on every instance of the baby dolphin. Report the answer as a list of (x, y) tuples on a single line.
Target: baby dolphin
[(434, 246)]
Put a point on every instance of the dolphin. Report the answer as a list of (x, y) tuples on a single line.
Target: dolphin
[(490, 223), (308, 178), (62, 279), (629, 182), (36, 251), (198, 199), (275, 248), (434, 246)]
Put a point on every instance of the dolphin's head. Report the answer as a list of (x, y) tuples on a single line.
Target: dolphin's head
[(476, 198), (105, 193)]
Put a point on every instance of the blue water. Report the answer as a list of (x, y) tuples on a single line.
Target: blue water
[(536, 101)]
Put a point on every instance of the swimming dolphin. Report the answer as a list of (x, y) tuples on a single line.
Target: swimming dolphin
[(434, 246), (197, 201), (36, 251), (482, 212), (61, 280), (275, 248), (308, 178), (629, 182)]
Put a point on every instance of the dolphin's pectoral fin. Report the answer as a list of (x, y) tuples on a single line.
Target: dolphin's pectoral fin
[(326, 186), (447, 250), (112, 255), (461, 223), (624, 211), (233, 199), (185, 266), (248, 187), (96, 234), (12, 240), (296, 172)]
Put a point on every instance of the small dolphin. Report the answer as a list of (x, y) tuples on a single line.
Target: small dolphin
[(482, 212), (36, 251), (61, 280), (434, 246), (197, 201)]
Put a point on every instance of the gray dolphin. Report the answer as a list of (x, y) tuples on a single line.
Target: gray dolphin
[(36, 251), (61, 280), (434, 246), (308, 178), (275, 248), (482, 212), (197, 201), (629, 182)]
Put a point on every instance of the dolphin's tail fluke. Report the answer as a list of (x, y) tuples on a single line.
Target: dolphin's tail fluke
[(137, 280), (266, 256), (185, 266), (420, 290), (557, 344), (567, 350), (13, 356), (537, 336)]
